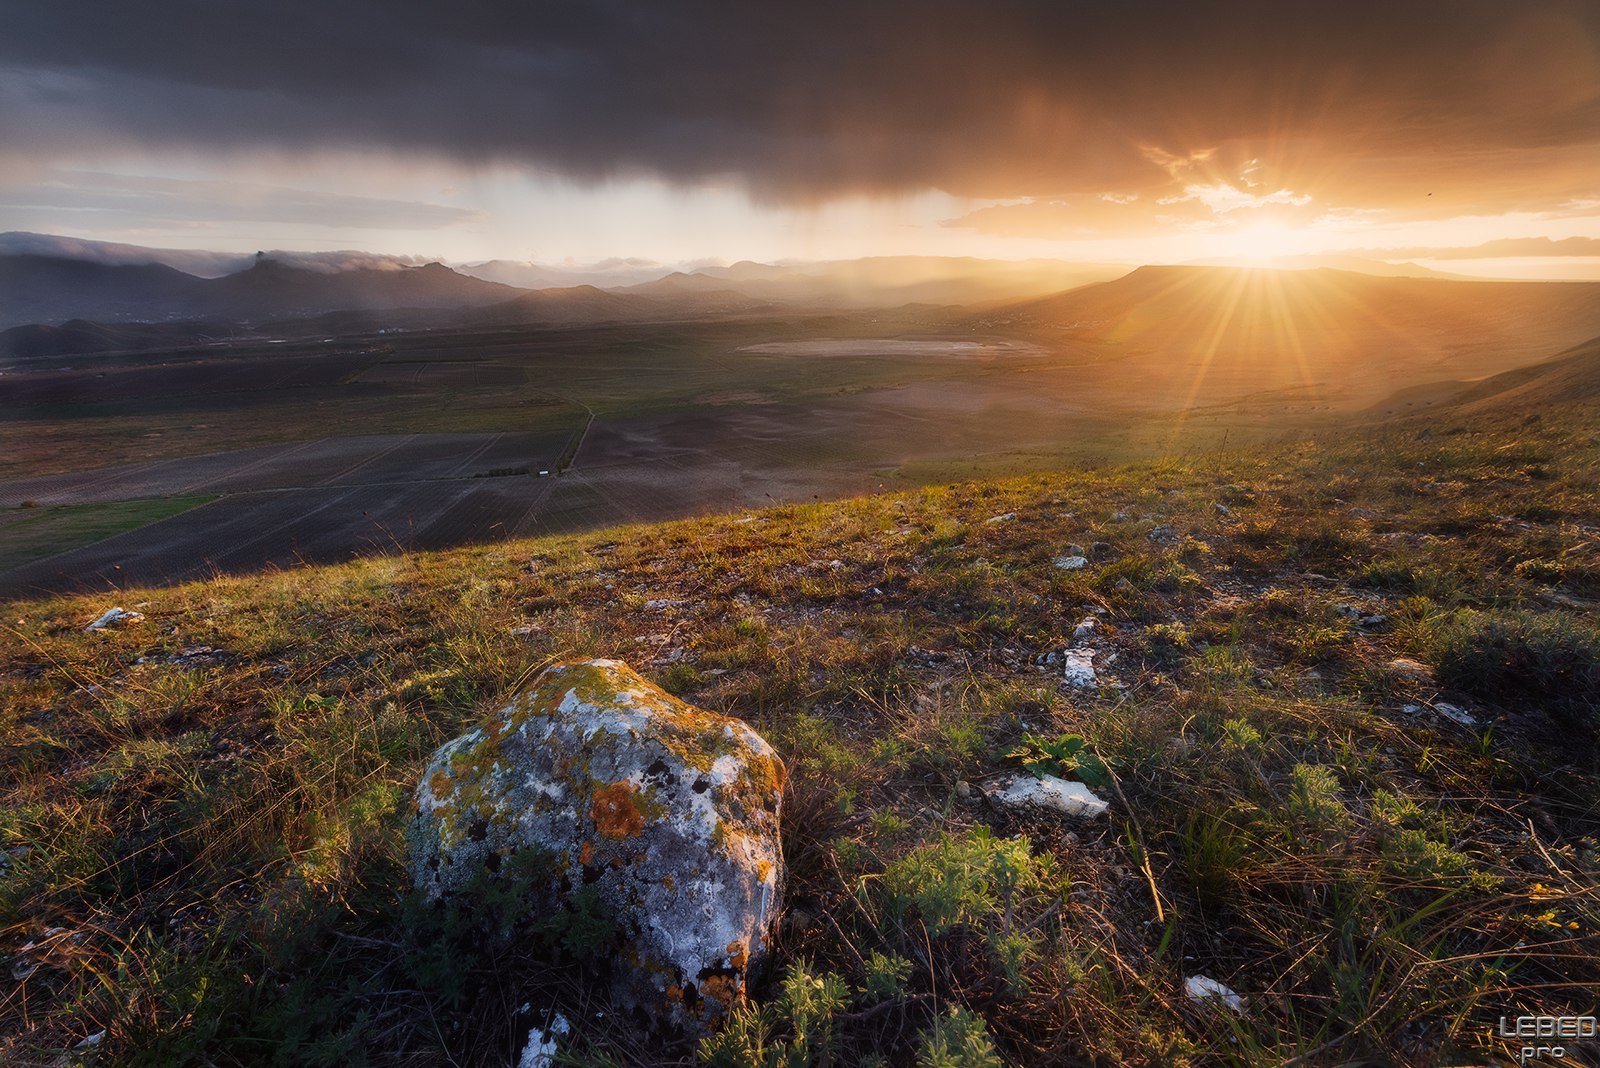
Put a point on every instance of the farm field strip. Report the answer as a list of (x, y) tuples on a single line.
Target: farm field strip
[(282, 528), (383, 459)]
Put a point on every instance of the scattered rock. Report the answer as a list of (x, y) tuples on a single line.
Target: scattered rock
[(1004, 517), (544, 1044), (1074, 549), (664, 815), (1162, 534), (1079, 668), (963, 788), (1203, 989), (1363, 513), (115, 617), (1072, 563), (1086, 629), (1223, 510), (1409, 670), (1452, 712), (1360, 616), (1058, 795)]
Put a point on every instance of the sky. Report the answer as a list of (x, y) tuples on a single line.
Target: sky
[(1462, 134)]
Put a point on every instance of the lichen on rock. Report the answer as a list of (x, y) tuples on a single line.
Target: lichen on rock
[(598, 790)]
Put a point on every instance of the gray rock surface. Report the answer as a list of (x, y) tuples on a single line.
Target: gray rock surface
[(664, 816)]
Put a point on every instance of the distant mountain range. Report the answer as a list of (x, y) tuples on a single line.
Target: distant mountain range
[(48, 289), (61, 295)]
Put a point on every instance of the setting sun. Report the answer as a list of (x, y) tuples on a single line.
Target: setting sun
[(1265, 241)]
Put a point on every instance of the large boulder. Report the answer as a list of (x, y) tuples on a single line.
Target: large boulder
[(602, 794)]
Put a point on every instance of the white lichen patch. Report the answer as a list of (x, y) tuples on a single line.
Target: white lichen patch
[(1058, 795), (667, 812), (1078, 670)]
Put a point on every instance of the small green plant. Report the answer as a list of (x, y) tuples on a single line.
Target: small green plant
[(1062, 757), (1544, 572), (1314, 801), (793, 1030), (959, 1040), (886, 976), (1239, 736)]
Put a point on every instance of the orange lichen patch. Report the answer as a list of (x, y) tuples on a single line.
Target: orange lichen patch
[(493, 730), (586, 854), (668, 882), (440, 783), (721, 990), (764, 870), (737, 957), (615, 811), (675, 994)]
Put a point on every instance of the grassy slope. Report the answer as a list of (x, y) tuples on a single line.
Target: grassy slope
[(201, 812)]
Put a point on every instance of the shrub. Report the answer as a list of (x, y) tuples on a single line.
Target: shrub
[(793, 1030), (959, 1040), (1510, 658), (972, 879)]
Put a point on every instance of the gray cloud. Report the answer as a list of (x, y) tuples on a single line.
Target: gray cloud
[(141, 200), (1366, 101)]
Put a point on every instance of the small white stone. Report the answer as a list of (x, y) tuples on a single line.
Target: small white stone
[(1085, 629), (1459, 715), (1072, 563), (540, 1052), (1409, 670), (113, 616), (1202, 988), (1060, 795), (1004, 517)]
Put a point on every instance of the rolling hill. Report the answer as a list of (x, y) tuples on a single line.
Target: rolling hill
[(1572, 376), (1349, 339)]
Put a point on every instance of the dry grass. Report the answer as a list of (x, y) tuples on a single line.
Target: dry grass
[(201, 852)]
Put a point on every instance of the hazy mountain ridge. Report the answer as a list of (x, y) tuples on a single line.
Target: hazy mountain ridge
[(1357, 337)]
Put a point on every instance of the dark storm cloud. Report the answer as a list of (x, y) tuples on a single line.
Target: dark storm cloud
[(121, 200), (806, 101)]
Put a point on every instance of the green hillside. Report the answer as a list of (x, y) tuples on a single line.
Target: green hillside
[(1348, 713)]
